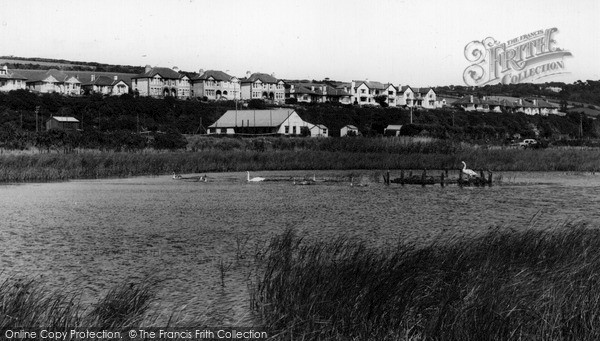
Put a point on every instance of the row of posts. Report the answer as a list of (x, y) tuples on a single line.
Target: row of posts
[(481, 181)]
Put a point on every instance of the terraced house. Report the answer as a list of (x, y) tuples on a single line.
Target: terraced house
[(417, 97), (10, 80), (160, 82), (215, 85), (262, 86)]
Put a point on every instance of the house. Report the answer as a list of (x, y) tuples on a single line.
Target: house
[(262, 86), (309, 92), (417, 97), (62, 123), (365, 92), (318, 130), (53, 80), (10, 80), (160, 82), (349, 130), (215, 85), (278, 121), (106, 85), (484, 104), (392, 130)]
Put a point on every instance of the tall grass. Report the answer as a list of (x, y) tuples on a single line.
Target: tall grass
[(226, 154), (27, 304), (502, 285)]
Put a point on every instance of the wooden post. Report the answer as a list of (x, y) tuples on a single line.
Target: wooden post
[(388, 177), (402, 177), (442, 179), (423, 176), (460, 179), (490, 178)]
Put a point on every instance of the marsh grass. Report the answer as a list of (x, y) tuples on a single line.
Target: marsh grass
[(499, 285), (27, 304), (232, 155)]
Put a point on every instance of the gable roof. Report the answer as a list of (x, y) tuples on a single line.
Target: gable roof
[(64, 119), (371, 84), (104, 81), (164, 72), (11, 75), (256, 118), (263, 77), (217, 75)]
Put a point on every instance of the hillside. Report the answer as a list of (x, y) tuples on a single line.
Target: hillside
[(67, 65)]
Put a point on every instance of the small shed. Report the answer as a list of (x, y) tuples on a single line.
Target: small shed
[(318, 130), (62, 123), (349, 130), (392, 130)]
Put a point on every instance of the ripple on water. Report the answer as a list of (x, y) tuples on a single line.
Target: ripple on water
[(87, 236)]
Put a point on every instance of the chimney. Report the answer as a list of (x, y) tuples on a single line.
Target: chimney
[(520, 101), (200, 72), (175, 68), (248, 74), (273, 75), (147, 68), (471, 99), (483, 98), (312, 88), (324, 89), (93, 78), (115, 77), (535, 102), (5, 67)]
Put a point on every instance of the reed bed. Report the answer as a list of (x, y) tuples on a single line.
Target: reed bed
[(499, 285), (28, 305), (227, 154)]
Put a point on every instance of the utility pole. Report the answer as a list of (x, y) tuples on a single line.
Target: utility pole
[(37, 110), (411, 108)]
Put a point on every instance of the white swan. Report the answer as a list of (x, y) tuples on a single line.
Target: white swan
[(467, 171), (256, 179)]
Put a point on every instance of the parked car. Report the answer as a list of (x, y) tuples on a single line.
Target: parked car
[(528, 143)]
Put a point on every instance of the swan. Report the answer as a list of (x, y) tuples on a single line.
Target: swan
[(176, 176), (256, 179), (467, 171)]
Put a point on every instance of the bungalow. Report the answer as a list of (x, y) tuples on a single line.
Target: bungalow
[(160, 82), (106, 85), (262, 86), (471, 103), (215, 85), (11, 80), (62, 123), (53, 80), (278, 121), (349, 130)]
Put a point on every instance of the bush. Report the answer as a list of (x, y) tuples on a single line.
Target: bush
[(170, 140)]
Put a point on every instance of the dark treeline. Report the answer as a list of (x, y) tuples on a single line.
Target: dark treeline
[(580, 91), (30, 63), (106, 118)]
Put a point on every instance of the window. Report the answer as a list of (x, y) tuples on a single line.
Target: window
[(362, 91), (390, 93), (223, 130), (287, 129), (294, 130)]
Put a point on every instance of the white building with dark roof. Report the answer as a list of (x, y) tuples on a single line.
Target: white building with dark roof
[(418, 97), (278, 121), (160, 82), (10, 80), (215, 85), (365, 92), (262, 86), (106, 85), (53, 80)]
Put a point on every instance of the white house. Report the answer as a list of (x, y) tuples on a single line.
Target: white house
[(318, 130), (364, 92), (11, 80), (418, 97), (349, 130), (53, 80), (105, 85), (278, 121)]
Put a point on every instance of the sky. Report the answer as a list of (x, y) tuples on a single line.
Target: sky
[(417, 43)]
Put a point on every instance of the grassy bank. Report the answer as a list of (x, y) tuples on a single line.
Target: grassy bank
[(224, 155), (504, 285)]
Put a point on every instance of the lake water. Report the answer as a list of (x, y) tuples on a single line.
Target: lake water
[(87, 236)]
